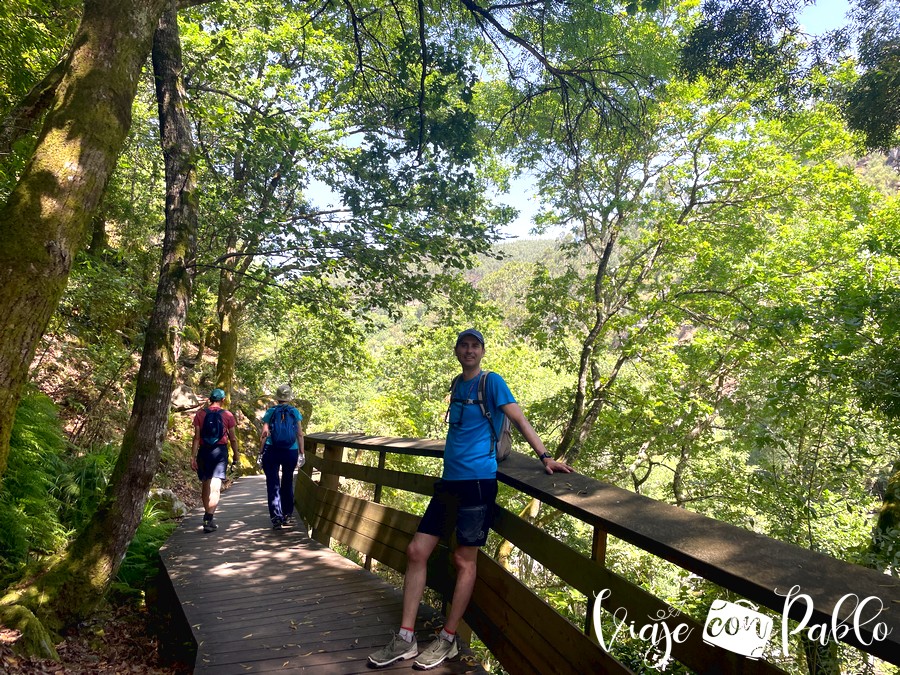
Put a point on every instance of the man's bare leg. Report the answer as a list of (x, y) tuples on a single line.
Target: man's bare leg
[(465, 558), (417, 554), (213, 492)]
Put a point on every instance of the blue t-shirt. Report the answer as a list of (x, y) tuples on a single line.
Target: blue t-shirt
[(268, 417), (467, 451)]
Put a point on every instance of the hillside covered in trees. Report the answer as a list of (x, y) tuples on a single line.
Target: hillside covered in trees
[(717, 326)]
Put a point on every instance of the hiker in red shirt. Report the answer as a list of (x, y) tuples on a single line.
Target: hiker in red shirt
[(213, 429)]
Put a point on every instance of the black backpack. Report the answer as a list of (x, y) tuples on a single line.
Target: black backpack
[(213, 428), (500, 446), (282, 428)]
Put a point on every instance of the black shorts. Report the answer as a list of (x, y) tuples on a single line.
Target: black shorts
[(466, 505), (212, 462)]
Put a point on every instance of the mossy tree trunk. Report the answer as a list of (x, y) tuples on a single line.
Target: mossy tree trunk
[(72, 587), (235, 263), (43, 223), (228, 310)]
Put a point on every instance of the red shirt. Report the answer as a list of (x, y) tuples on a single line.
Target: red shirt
[(227, 420)]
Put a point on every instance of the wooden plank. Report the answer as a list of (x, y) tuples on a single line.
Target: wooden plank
[(590, 578), (421, 447), (534, 629), (382, 552), (358, 510), (371, 529), (757, 567), (258, 599), (411, 482), (379, 531), (306, 493), (346, 596), (333, 454)]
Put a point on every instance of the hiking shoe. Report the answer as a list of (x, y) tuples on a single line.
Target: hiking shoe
[(437, 652), (396, 649), (210, 525), (276, 523)]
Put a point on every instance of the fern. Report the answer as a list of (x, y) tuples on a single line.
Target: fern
[(29, 522), (141, 561)]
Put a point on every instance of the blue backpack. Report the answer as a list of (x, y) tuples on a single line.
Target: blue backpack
[(213, 428), (282, 428)]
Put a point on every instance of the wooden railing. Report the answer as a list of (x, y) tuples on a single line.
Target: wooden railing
[(527, 636)]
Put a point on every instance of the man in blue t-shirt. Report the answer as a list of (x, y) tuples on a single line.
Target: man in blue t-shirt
[(279, 455), (463, 499)]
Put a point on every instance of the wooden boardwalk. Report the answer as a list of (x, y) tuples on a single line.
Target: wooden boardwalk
[(261, 600)]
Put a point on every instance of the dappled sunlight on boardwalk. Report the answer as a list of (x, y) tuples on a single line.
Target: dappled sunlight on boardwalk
[(262, 600)]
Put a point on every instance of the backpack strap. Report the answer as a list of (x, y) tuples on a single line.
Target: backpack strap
[(283, 409), (486, 411), (482, 399), (453, 385)]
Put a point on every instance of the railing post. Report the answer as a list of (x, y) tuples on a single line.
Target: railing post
[(332, 481), (598, 553), (309, 449), (377, 499), (378, 486), (305, 499), (328, 481)]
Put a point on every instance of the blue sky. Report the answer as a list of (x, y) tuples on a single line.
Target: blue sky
[(825, 15)]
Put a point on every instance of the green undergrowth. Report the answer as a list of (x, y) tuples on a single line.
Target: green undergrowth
[(141, 562), (50, 490)]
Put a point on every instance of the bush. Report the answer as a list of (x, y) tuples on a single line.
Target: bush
[(141, 561), (29, 509), (81, 483), (49, 492)]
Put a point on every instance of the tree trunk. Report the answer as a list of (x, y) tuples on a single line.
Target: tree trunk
[(72, 587), (821, 659), (228, 310), (21, 120), (42, 224), (99, 245), (885, 542)]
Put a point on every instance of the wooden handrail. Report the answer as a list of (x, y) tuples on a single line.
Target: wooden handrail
[(755, 567)]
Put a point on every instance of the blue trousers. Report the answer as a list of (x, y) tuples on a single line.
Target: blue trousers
[(280, 488)]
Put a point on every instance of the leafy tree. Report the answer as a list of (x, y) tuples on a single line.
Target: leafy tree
[(75, 153), (34, 34), (873, 101), (411, 202), (758, 42)]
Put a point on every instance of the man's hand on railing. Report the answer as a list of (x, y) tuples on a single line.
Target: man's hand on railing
[(552, 466)]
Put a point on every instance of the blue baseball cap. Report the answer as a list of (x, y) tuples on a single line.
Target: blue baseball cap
[(474, 333), (217, 395)]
